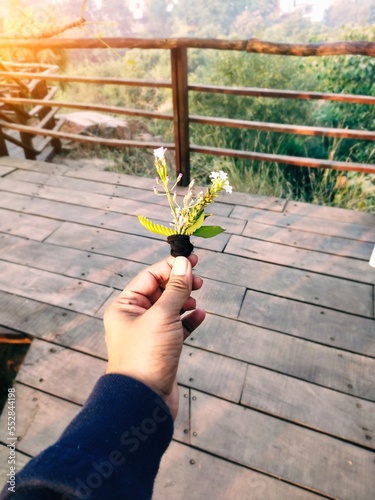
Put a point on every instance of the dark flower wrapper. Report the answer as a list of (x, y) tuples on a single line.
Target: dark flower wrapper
[(180, 245)]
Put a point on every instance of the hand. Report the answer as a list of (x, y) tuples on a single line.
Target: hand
[(144, 329)]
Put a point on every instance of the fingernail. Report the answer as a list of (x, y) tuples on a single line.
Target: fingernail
[(180, 266)]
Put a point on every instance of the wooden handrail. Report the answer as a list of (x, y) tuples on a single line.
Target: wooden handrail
[(88, 79), (282, 94), (203, 120), (180, 89), (282, 128), (89, 107), (252, 45), (288, 160)]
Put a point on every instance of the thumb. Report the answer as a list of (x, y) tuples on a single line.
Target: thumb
[(178, 288)]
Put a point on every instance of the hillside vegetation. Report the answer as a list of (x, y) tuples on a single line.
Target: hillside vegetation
[(240, 19)]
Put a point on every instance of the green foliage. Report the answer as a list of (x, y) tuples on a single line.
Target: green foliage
[(155, 228), (348, 74), (208, 231)]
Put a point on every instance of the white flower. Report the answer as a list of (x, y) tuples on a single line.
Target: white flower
[(220, 181), (159, 153), (219, 175)]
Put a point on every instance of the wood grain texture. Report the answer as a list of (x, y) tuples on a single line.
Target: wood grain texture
[(324, 326), (305, 457), (299, 258), (212, 373), (26, 225), (59, 371), (42, 420), (278, 381), (305, 286), (69, 293), (326, 366), (53, 324), (316, 225), (190, 473), (299, 238), (316, 407), (5, 170), (80, 264)]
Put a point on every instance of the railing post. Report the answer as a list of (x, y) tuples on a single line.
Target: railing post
[(181, 112), (3, 146)]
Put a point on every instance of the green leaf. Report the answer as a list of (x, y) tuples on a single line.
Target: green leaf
[(155, 228), (208, 231), (197, 224)]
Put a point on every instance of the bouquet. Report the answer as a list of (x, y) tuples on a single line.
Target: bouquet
[(189, 216)]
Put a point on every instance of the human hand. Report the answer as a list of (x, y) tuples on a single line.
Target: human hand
[(144, 329)]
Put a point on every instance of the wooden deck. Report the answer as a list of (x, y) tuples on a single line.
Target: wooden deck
[(277, 385)]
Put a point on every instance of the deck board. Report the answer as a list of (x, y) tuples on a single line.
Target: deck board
[(277, 387), (310, 459)]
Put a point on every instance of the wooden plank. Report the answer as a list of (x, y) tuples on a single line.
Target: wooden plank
[(217, 297), (309, 241), (102, 241), (330, 213), (305, 457), (182, 423), (5, 170), (59, 371), (309, 287), (121, 182), (41, 419), (131, 193), (309, 224), (213, 477), (326, 366), (38, 166), (113, 178), (332, 328), (104, 202), (93, 267), (253, 200), (54, 324), (74, 213), (309, 260), (316, 407), (71, 196), (80, 296), (212, 373), (179, 74), (27, 226)]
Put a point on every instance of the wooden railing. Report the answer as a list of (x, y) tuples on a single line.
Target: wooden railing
[(180, 89), (42, 116)]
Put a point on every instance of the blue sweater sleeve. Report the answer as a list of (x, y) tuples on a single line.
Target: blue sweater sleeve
[(111, 450)]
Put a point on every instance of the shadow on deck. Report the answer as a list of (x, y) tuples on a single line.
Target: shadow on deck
[(277, 385)]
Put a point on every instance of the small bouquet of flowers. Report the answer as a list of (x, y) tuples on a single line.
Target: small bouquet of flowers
[(188, 218)]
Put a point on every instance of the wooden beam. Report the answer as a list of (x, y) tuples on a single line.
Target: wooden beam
[(284, 159), (252, 45), (86, 106), (283, 128), (181, 113), (3, 146), (311, 49), (87, 79), (284, 94), (116, 143)]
